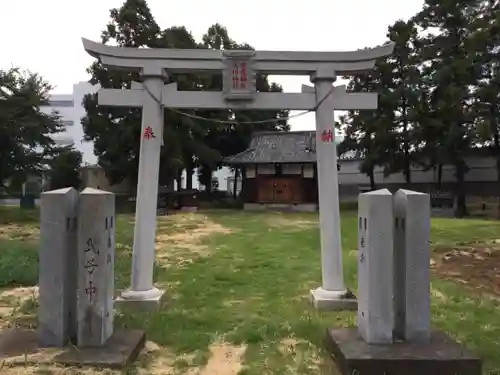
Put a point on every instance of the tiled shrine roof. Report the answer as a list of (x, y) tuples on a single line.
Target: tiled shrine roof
[(281, 147)]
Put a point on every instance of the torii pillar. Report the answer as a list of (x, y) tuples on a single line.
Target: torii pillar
[(141, 289), (332, 295)]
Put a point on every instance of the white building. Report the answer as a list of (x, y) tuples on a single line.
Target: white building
[(221, 175), (70, 108)]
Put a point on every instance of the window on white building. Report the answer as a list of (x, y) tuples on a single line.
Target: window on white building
[(61, 103)]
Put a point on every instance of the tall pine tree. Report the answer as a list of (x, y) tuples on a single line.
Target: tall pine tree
[(451, 58)]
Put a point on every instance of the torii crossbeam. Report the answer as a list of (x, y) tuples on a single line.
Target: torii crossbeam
[(171, 98), (239, 92)]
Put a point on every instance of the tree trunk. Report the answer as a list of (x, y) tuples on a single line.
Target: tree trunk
[(498, 180), (206, 178), (406, 145), (235, 183), (371, 175), (178, 179), (496, 139), (461, 206), (407, 172), (440, 176), (170, 183), (189, 177)]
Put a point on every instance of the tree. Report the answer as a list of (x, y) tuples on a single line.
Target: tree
[(487, 94), (116, 131), (188, 141), (368, 133), (402, 77), (452, 63), (26, 144), (65, 169)]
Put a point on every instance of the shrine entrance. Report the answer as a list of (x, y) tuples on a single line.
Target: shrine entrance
[(239, 68)]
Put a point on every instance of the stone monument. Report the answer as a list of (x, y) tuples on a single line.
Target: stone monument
[(57, 267), (239, 68), (76, 282), (375, 254), (96, 254), (412, 311), (394, 333)]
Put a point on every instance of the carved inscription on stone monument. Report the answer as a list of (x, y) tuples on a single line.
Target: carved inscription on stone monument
[(375, 306), (95, 273), (91, 259)]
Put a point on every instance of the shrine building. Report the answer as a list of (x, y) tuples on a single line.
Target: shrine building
[(279, 171)]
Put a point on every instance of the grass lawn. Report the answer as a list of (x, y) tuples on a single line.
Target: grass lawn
[(238, 286)]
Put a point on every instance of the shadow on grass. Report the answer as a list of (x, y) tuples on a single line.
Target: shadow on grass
[(11, 215)]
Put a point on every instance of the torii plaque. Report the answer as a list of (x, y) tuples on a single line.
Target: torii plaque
[(239, 92)]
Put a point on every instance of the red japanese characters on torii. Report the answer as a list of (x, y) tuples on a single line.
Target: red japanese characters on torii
[(148, 133), (327, 136), (240, 75)]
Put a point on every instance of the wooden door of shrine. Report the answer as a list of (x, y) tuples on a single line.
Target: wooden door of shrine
[(265, 190), (283, 192)]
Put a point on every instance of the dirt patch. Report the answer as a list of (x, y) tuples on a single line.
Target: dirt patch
[(225, 359), (155, 360), (187, 233), (476, 266), (288, 345), (54, 370), (290, 223), (17, 231), (12, 302), (300, 354), (20, 294)]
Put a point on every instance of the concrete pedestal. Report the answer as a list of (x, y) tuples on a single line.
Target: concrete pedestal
[(440, 356), (149, 300), (19, 348), (327, 300)]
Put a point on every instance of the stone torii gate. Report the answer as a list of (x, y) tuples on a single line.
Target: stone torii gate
[(239, 68)]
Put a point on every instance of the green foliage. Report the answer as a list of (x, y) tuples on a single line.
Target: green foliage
[(438, 94), (25, 132), (233, 292), (188, 142), (65, 169), (18, 263), (10, 215)]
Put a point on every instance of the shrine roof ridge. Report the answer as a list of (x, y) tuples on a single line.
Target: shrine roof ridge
[(282, 132), (278, 62), (268, 147)]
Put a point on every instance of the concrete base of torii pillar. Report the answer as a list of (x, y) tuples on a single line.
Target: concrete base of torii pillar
[(328, 300)]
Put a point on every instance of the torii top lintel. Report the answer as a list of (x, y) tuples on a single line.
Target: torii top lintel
[(271, 62)]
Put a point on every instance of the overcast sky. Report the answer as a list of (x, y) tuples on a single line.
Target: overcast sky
[(44, 36)]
